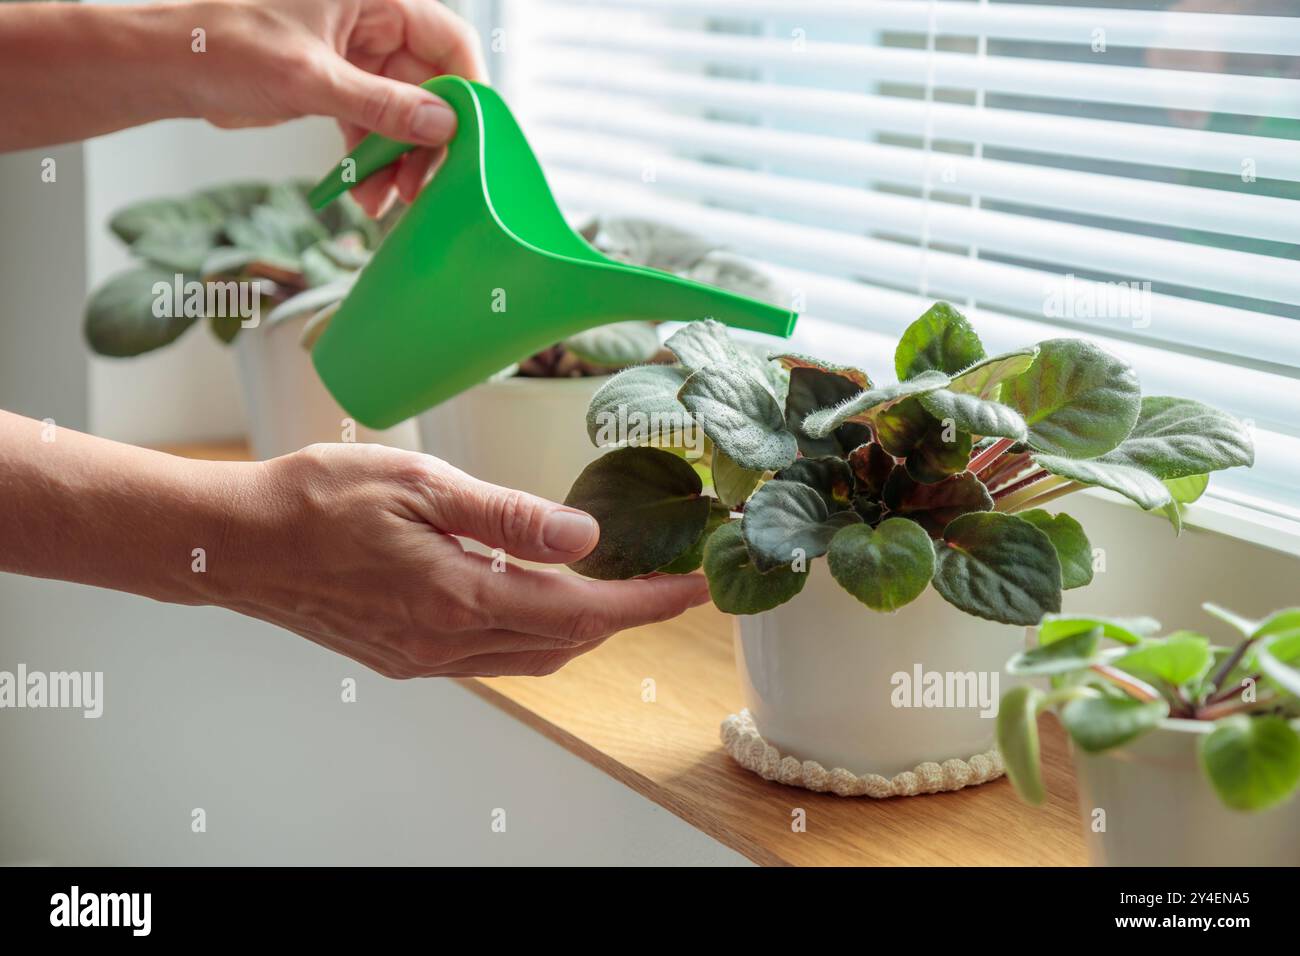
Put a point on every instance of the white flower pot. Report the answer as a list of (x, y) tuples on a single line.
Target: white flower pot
[(817, 675), (1160, 810), (525, 433), (287, 405)]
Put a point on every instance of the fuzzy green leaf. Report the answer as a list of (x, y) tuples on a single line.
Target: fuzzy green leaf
[(787, 521), (884, 568), (1146, 490), (1180, 438), (616, 345), (641, 395), (1057, 627), (984, 379), (999, 567), (1078, 400), (740, 415), (867, 405), (649, 507), (940, 340), (975, 415), (736, 585)]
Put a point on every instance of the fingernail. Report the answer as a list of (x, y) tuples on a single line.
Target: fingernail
[(433, 123), (568, 530)]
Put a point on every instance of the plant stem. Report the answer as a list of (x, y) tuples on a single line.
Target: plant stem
[(1228, 708), (1134, 687), (1016, 501), (1056, 491), (1232, 661), (989, 455), (1009, 466), (1226, 693), (1020, 484)]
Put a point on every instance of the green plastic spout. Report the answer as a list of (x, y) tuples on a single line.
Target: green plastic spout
[(483, 271)]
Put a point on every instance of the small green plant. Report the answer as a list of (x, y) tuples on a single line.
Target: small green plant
[(939, 477), (192, 251), (1106, 697)]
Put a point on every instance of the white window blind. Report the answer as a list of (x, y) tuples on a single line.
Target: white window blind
[(1130, 174)]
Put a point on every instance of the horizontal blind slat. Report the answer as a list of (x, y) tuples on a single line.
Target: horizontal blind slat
[(1171, 319), (1137, 258), (1133, 86), (1172, 204), (1210, 32), (1110, 140)]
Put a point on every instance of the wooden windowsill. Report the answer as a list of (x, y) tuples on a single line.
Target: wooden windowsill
[(669, 750)]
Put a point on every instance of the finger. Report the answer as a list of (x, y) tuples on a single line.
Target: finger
[(376, 193), (400, 111), (435, 34), (415, 172), (518, 523), (574, 608)]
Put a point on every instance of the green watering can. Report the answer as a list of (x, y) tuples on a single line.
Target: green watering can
[(483, 271)]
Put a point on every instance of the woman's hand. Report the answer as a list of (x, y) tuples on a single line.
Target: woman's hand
[(351, 546), (72, 71), (358, 61)]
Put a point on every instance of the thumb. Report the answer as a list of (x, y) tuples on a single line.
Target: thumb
[(521, 524), (400, 111)]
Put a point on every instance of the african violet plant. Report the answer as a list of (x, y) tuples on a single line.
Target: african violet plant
[(940, 477), (1106, 697), (263, 234)]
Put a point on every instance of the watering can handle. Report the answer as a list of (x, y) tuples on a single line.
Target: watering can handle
[(371, 154)]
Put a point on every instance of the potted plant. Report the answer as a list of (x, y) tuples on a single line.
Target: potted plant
[(232, 257), (555, 386), (927, 496), (1188, 754)]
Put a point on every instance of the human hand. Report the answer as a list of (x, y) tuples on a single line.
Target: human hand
[(351, 546), (357, 61)]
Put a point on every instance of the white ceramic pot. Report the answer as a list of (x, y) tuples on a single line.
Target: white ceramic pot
[(818, 677), (286, 404), (1159, 810), (525, 433)]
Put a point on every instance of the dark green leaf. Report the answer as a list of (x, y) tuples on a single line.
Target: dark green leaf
[(649, 507), (736, 585), (812, 388), (940, 340), (691, 559), (830, 477), (1078, 400), (998, 567), (884, 568), (786, 522), (934, 506), (1072, 547), (121, 316), (740, 415), (871, 466)]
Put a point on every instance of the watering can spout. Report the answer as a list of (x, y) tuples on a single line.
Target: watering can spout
[(483, 271)]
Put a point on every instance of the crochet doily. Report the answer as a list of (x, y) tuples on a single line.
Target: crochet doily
[(742, 741)]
